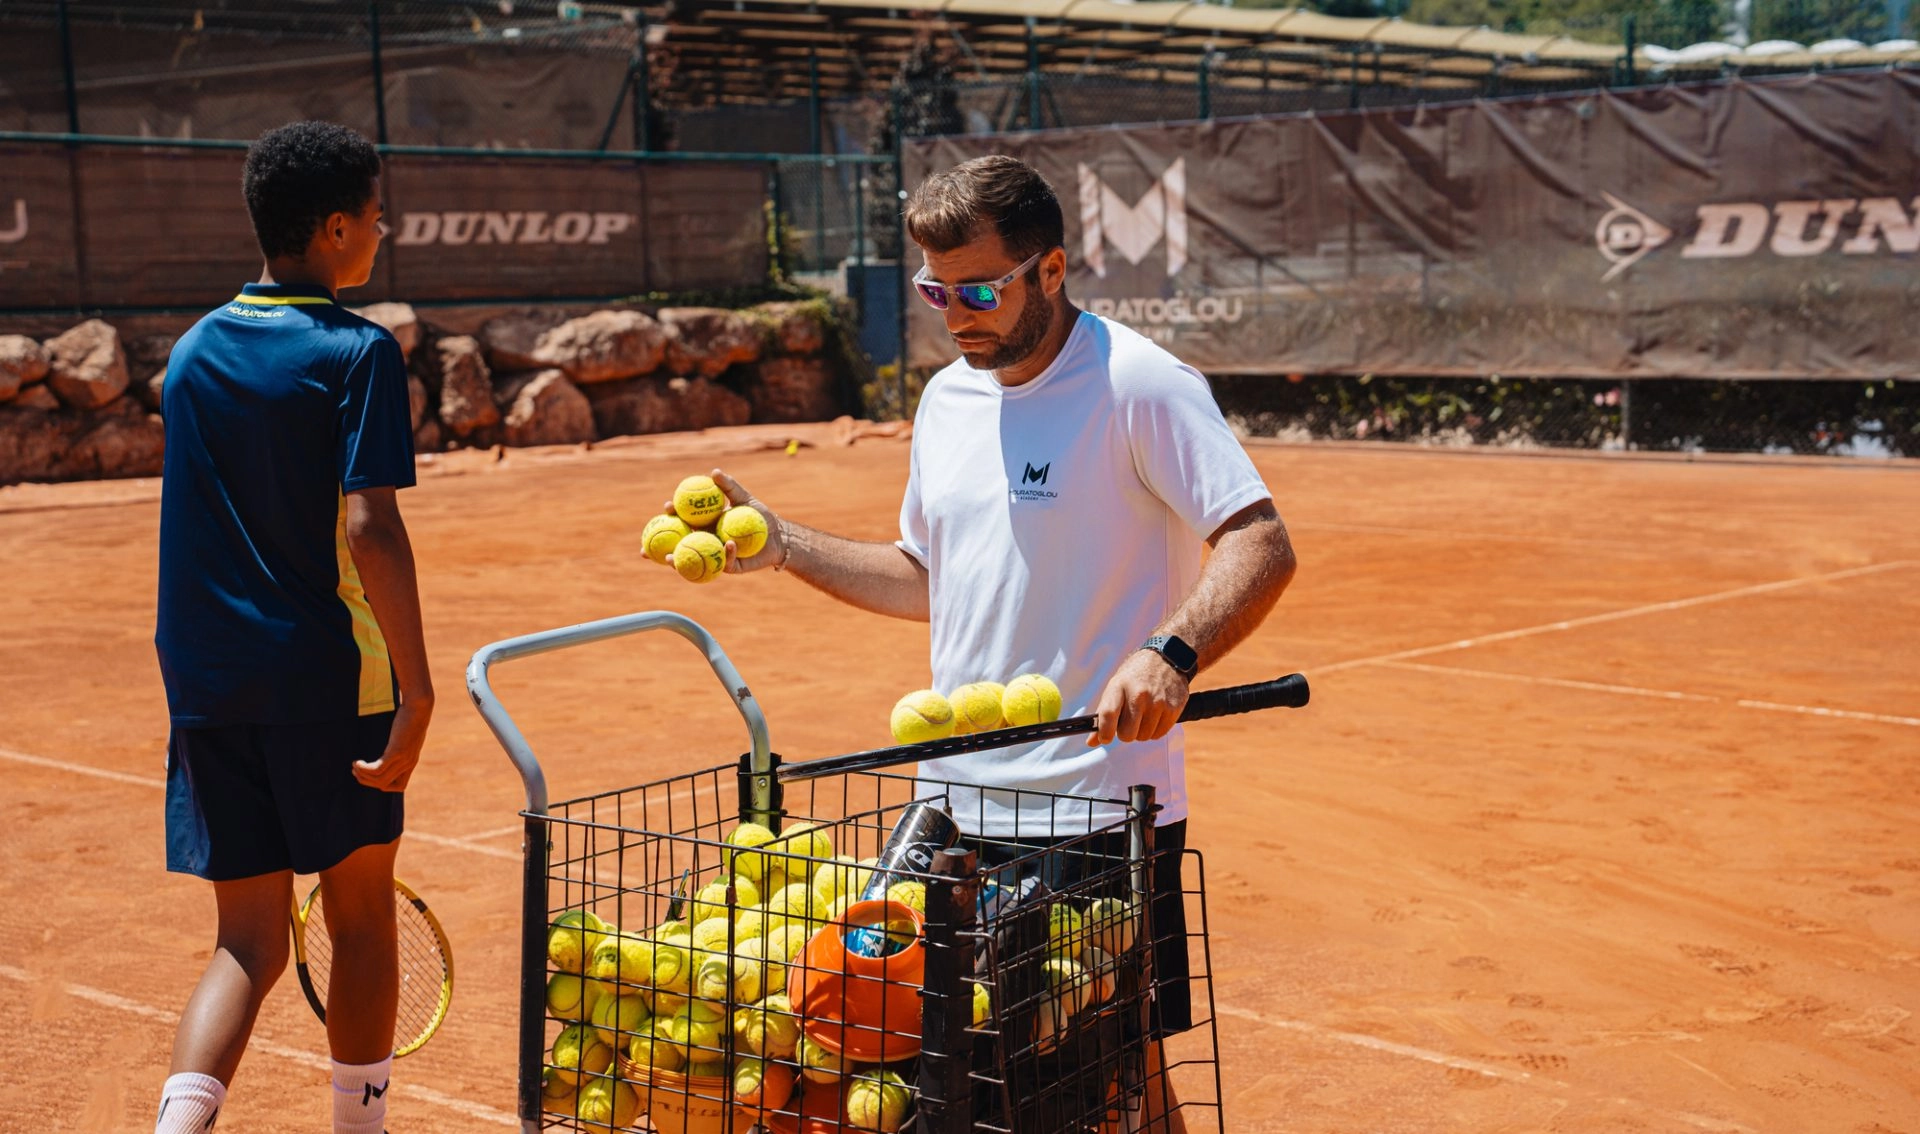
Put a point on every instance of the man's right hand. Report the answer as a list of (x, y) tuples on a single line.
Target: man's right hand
[(774, 553)]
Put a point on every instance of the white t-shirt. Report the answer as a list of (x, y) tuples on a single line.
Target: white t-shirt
[(1060, 522)]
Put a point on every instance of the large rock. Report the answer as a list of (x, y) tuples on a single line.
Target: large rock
[(37, 398), (605, 346), (89, 366), (794, 389), (398, 318), (466, 386), (147, 367), (543, 408), (707, 340), (118, 440), (664, 405), (429, 438), (796, 327), (511, 338), (22, 363)]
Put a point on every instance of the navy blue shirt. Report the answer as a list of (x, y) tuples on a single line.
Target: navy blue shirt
[(276, 406)]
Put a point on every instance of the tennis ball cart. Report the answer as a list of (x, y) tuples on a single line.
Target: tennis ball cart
[(766, 947)]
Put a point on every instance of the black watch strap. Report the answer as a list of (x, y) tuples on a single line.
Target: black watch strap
[(1182, 657)]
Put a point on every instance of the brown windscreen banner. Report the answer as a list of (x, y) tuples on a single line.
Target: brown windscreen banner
[(164, 227), (1734, 230)]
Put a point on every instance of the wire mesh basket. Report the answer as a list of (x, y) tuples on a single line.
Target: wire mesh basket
[(760, 947)]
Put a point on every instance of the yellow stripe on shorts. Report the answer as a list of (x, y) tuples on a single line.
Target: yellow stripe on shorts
[(376, 672)]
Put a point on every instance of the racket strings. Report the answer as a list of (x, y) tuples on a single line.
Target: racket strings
[(423, 968)]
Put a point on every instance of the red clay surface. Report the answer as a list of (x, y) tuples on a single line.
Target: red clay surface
[(1605, 815)]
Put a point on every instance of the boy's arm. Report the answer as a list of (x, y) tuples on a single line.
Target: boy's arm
[(377, 537)]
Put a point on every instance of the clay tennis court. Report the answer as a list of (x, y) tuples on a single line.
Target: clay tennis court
[(1605, 815)]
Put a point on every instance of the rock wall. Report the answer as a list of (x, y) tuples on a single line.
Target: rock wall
[(84, 403)]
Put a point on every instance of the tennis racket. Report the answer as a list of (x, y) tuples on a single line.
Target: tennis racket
[(426, 965)]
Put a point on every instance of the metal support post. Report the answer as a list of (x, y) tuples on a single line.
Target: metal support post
[(643, 99), (946, 997), (379, 76), (66, 64), (1206, 91), (1632, 26), (1033, 76)]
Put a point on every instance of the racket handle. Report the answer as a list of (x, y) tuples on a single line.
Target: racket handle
[(1289, 692)]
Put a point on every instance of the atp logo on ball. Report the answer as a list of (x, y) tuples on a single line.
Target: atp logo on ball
[(1032, 483)]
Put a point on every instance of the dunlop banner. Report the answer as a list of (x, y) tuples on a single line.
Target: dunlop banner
[(1764, 229), (166, 227)]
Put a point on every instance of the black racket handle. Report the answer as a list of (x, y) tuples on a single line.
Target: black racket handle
[(1289, 692)]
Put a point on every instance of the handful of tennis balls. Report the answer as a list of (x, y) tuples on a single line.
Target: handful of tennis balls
[(706, 996), (693, 538), (979, 706)]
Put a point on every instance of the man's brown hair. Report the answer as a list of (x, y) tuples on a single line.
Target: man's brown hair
[(952, 207)]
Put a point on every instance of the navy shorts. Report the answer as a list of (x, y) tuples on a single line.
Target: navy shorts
[(246, 800), (1092, 859)]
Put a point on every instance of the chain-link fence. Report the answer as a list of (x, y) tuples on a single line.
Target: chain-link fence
[(1860, 419)]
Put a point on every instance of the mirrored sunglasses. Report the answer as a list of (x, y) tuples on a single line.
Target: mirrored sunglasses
[(983, 296)]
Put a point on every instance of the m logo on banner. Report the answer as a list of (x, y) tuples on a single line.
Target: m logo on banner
[(1134, 229)]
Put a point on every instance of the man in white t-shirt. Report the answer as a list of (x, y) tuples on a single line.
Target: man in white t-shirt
[(1065, 473)]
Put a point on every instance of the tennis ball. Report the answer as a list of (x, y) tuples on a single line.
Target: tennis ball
[(877, 1100), (922, 715), (1102, 970), (812, 846), (762, 1084), (982, 1005), (557, 1092), (662, 534), (700, 557), (673, 933), (571, 998), (818, 1063), (712, 902), (1071, 987), (626, 959), (787, 942), (744, 860), (614, 1017), (647, 1050), (746, 527), (577, 1050), (708, 1069), (609, 1103), (712, 934), (976, 707), (769, 973), (1065, 929), (840, 877), (720, 977), (572, 937), (1030, 699), (797, 903), (912, 894), (699, 501), (1111, 925), (768, 1029), (756, 921)]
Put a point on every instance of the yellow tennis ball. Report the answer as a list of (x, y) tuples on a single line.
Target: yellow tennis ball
[(1066, 929), (609, 1103), (713, 934), (922, 715), (836, 878), (662, 534), (982, 1005), (577, 1050), (744, 859), (768, 973), (807, 846), (700, 557), (877, 1100), (756, 921), (819, 1063), (768, 1029), (1030, 699), (613, 1017), (797, 903), (746, 527), (648, 1050), (910, 894), (759, 1083), (572, 937), (699, 501), (719, 977), (976, 707), (571, 998), (711, 901), (557, 1092), (1111, 925)]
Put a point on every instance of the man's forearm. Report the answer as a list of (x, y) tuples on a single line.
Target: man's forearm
[(877, 577), (1251, 564)]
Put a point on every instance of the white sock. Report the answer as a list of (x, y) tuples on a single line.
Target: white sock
[(360, 1096), (189, 1104)]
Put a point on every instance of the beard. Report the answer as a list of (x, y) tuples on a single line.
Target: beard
[(1029, 331)]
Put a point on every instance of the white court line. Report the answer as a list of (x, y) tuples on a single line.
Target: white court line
[(1668, 694), (402, 1089), (151, 782), (495, 833), (1489, 1070), (1615, 616), (1501, 537)]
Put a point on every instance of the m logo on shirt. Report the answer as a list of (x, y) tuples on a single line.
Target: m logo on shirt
[(1036, 476), (1033, 483)]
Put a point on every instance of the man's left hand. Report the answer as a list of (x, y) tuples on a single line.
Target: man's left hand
[(1142, 701)]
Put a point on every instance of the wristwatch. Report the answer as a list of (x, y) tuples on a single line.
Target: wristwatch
[(1178, 654)]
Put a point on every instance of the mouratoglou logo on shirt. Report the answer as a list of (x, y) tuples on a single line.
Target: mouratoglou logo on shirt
[(1033, 483)]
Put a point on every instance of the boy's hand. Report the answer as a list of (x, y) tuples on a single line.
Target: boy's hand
[(395, 766)]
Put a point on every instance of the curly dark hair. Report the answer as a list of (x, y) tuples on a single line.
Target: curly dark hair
[(298, 175)]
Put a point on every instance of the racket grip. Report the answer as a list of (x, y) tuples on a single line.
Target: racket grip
[(1289, 692)]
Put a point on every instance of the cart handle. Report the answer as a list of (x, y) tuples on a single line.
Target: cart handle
[(508, 733), (1289, 692)]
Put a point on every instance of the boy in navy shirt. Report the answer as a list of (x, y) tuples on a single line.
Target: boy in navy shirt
[(289, 624)]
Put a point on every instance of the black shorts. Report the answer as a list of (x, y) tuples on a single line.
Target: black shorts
[(1070, 870), (246, 800)]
